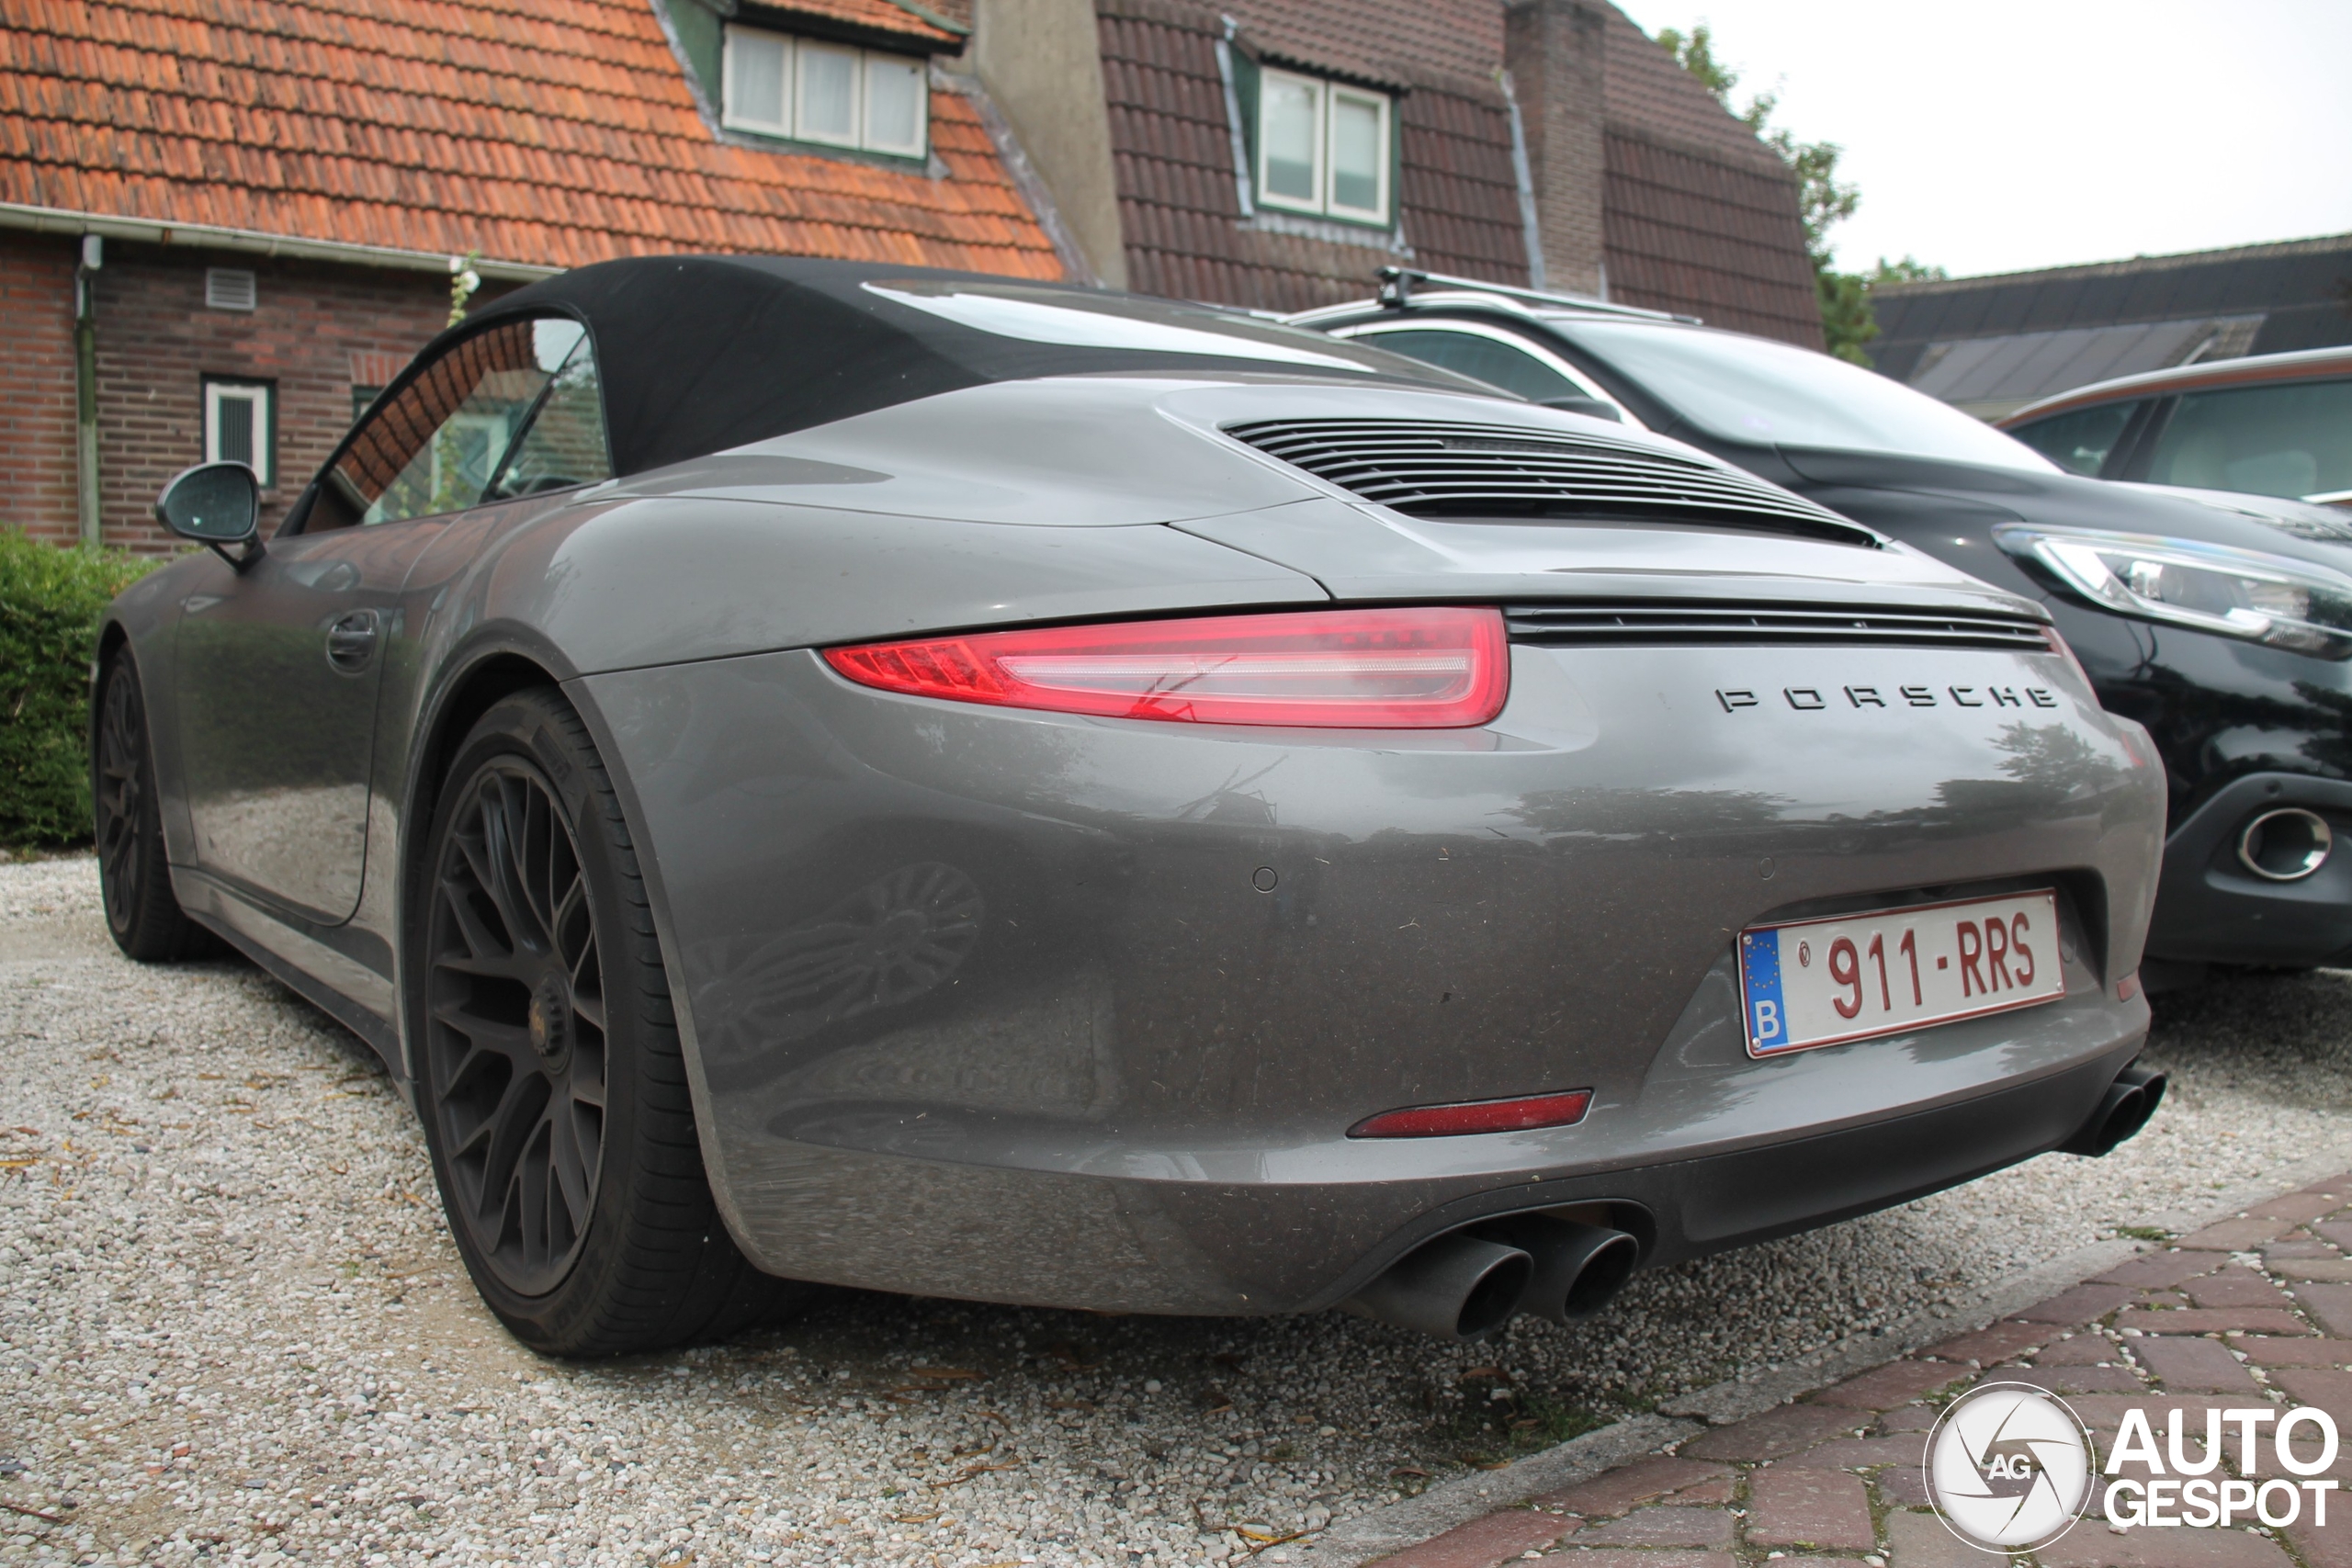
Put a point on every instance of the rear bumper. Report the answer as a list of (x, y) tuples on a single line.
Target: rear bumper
[(1014, 1007), (2211, 908)]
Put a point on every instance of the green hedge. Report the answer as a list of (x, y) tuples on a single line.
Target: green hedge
[(50, 603)]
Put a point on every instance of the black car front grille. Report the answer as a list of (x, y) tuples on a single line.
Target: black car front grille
[(1669, 623), (1431, 469)]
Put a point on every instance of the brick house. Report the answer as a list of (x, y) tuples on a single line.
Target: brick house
[(1542, 142), (223, 227)]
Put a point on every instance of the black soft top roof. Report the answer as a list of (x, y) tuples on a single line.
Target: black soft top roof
[(700, 353)]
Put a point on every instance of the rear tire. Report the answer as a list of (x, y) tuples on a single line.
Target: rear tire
[(548, 1066), (143, 915)]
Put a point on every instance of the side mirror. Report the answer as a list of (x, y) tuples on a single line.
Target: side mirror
[(215, 504), (1592, 406)]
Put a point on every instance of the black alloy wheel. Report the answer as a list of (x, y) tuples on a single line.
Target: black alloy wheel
[(547, 1058), (143, 915), (517, 1026)]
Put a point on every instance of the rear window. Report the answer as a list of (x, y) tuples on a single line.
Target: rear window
[(2080, 440), (2294, 440)]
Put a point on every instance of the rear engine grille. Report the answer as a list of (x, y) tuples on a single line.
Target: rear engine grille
[(1686, 625), (1444, 469)]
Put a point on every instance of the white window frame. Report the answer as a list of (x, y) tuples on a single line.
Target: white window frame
[(1267, 196), (1384, 104), (260, 394), (790, 128), (1328, 94), (731, 113)]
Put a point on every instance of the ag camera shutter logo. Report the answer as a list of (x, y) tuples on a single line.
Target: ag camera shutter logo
[(2009, 1466)]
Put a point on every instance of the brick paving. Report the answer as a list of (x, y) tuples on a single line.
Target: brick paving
[(2255, 1309)]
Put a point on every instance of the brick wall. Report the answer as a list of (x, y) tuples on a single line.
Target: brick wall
[(37, 392), (317, 330)]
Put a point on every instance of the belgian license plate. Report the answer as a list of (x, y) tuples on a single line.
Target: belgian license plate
[(1825, 982)]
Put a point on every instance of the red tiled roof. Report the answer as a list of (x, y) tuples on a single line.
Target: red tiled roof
[(544, 131), (1172, 150), (876, 16)]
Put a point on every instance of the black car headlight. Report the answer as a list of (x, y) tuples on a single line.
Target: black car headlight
[(2243, 593)]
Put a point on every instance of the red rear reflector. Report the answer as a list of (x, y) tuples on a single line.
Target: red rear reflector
[(1438, 668), (1477, 1116)]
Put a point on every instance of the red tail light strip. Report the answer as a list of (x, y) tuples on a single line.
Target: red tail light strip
[(1442, 667), (1477, 1116)]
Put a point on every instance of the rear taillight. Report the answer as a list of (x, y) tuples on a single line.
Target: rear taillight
[(1438, 668)]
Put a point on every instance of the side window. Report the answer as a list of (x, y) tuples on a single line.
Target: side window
[(1481, 359), (564, 445), (2293, 440), (445, 436), (2080, 440)]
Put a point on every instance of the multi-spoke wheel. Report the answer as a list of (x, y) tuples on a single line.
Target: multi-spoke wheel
[(517, 1030), (134, 879), (548, 1064)]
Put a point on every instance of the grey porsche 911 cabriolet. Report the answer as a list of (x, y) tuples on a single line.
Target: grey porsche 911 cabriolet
[(815, 771)]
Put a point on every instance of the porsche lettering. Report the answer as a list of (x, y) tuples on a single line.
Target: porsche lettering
[(1809, 699)]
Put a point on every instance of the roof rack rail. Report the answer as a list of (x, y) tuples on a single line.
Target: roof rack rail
[(1398, 283)]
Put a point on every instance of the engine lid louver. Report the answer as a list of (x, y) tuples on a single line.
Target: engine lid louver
[(1434, 469), (1687, 625)]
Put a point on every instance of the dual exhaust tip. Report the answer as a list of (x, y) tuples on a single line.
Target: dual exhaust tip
[(1468, 1283), (2130, 1100)]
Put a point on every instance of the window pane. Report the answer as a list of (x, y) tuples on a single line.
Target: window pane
[(893, 104), (2290, 440), (2079, 442), (1496, 363), (1358, 159), (755, 62), (234, 428), (828, 93), (435, 445), (565, 444), (1289, 113)]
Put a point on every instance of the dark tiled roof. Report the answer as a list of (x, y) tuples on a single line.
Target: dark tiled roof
[(1698, 216), (543, 131), (1650, 94), (1376, 38), (1707, 237), (2302, 288), (1173, 152)]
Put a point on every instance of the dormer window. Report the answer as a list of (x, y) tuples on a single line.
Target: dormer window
[(1323, 147), (834, 95)]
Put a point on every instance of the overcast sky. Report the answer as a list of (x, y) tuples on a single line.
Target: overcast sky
[(1998, 135)]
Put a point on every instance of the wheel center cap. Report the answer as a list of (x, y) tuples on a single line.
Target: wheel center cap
[(551, 1019)]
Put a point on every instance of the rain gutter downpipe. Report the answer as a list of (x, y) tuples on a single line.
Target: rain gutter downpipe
[(86, 387)]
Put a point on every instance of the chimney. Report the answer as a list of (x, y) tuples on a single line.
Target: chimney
[(1555, 51), (1042, 63)]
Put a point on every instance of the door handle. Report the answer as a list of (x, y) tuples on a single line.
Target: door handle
[(351, 640)]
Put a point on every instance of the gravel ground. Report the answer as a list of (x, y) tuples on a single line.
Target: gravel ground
[(231, 1326)]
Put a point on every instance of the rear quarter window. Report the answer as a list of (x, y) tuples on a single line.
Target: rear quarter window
[(2293, 439), (2080, 440)]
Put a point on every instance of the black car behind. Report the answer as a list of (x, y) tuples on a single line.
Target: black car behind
[(2228, 638)]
